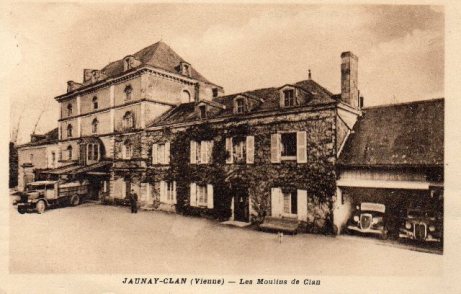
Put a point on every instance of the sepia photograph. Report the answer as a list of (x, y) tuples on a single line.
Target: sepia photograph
[(184, 147)]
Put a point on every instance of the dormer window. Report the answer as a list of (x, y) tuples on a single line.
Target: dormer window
[(215, 92), (289, 97), (185, 69), (69, 109), (128, 63), (202, 109), (95, 103), (239, 105), (128, 90), (94, 126)]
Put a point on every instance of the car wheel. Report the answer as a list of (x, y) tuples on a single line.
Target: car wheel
[(21, 210), (40, 206), (75, 200)]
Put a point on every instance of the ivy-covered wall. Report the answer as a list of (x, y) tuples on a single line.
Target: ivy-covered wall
[(316, 176)]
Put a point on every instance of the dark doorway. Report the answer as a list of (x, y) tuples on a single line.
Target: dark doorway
[(127, 188), (241, 206)]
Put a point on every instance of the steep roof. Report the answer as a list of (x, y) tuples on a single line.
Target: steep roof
[(158, 55), (408, 134), (267, 99), (50, 137)]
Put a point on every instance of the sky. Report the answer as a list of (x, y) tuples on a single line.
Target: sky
[(240, 47)]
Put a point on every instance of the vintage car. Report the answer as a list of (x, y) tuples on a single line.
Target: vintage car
[(421, 225), (369, 218), (41, 195)]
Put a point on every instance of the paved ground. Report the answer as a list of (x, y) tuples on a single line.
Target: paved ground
[(93, 238)]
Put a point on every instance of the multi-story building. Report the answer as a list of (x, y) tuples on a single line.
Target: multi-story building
[(150, 122), (269, 151)]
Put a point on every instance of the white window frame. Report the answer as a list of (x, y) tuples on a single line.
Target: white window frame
[(201, 152), (290, 157), (160, 156), (289, 213), (201, 195)]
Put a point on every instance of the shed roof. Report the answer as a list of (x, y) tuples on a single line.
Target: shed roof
[(407, 134)]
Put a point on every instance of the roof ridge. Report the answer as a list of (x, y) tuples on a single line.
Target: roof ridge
[(404, 103)]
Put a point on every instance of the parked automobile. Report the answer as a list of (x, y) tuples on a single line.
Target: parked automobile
[(421, 225), (41, 195), (369, 218)]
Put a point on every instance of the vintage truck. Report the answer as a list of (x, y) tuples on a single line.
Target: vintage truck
[(41, 195)]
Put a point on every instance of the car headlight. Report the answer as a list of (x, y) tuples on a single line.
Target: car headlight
[(431, 228), (356, 218), (407, 225)]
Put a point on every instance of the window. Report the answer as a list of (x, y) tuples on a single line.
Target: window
[(170, 192), (289, 97), (185, 69), (92, 151), (215, 92), (128, 90), (201, 152), (290, 203), (288, 145), (69, 109), (240, 149), (69, 152), (240, 105), (53, 158), (185, 96), (201, 195), (95, 102), (161, 153), (202, 109), (94, 126), (128, 120), (69, 131), (127, 150)]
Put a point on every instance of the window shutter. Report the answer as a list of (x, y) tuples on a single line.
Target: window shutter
[(276, 200), (193, 152), (209, 191), (155, 154), (275, 148), (282, 99), (302, 205), (193, 194), (174, 192), (203, 149), (229, 147), (167, 153), (163, 192), (250, 149), (209, 149), (301, 147)]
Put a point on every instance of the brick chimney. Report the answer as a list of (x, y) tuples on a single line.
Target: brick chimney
[(349, 79)]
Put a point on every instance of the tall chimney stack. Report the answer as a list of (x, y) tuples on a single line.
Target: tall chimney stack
[(349, 79)]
